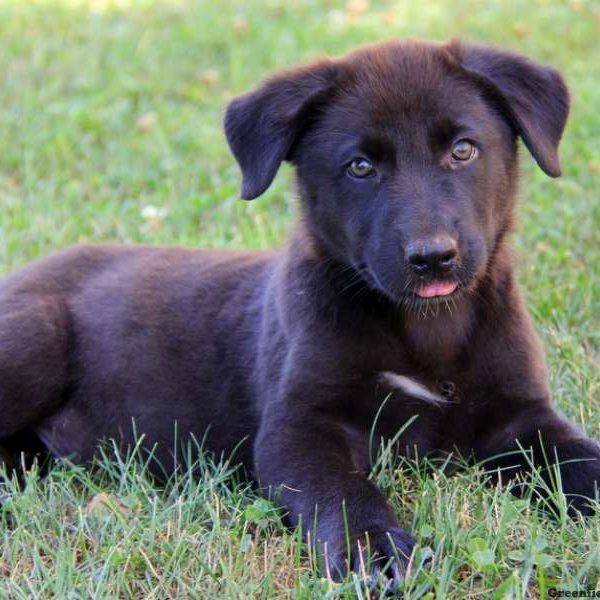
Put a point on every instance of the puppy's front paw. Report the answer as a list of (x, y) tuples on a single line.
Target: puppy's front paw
[(580, 475), (374, 553)]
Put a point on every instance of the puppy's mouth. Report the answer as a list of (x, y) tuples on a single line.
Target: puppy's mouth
[(436, 289), (433, 293), (424, 292)]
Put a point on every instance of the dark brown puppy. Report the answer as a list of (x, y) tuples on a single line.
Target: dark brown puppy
[(397, 281)]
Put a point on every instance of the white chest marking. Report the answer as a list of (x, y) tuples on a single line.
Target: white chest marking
[(412, 387)]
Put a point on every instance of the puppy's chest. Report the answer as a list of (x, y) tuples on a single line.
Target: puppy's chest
[(421, 415), (425, 402)]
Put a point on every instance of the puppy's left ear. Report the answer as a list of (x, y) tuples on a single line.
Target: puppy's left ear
[(262, 126), (533, 97)]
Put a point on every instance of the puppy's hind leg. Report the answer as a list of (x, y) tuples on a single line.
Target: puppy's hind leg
[(33, 358)]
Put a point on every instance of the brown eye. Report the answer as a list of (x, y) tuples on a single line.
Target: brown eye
[(361, 168), (463, 150)]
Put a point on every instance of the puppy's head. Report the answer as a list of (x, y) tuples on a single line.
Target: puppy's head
[(405, 154)]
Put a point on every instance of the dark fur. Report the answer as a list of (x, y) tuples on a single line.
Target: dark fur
[(286, 350)]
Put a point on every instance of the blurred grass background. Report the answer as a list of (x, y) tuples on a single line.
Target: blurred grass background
[(110, 130)]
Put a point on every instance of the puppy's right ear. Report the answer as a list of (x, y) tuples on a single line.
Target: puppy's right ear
[(262, 126)]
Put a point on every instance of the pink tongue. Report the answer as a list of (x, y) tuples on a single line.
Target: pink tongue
[(437, 288)]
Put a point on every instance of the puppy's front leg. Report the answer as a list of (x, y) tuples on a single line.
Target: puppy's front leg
[(307, 458), (549, 440), (517, 413)]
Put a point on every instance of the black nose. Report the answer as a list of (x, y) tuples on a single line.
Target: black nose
[(437, 254)]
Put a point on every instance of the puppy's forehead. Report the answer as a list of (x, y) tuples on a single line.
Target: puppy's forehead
[(386, 84), (407, 61)]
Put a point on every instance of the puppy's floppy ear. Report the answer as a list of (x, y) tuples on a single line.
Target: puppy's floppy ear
[(261, 126), (533, 97)]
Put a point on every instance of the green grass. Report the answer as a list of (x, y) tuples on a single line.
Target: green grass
[(108, 108)]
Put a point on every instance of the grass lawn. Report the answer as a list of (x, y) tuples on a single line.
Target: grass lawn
[(110, 130)]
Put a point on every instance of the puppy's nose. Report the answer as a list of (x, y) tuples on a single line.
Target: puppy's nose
[(436, 254)]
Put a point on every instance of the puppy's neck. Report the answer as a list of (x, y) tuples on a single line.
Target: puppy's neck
[(438, 336)]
